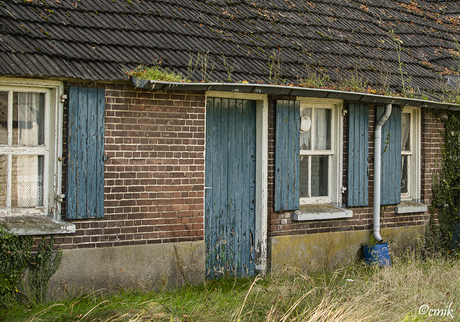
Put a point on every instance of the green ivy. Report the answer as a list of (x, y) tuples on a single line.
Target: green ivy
[(15, 252), (41, 268), (444, 209), (17, 261)]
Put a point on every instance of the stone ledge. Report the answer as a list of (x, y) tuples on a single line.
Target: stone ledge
[(319, 212), (36, 225), (408, 207)]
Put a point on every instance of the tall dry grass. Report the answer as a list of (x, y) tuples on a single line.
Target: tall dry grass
[(360, 293), (352, 293)]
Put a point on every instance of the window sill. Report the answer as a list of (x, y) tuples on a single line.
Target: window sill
[(320, 212), (36, 225), (408, 207)]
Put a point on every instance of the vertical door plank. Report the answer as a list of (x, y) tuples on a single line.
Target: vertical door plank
[(91, 143), (72, 153), (82, 157), (251, 161), (209, 200)]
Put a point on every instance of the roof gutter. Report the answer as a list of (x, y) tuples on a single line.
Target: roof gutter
[(291, 90)]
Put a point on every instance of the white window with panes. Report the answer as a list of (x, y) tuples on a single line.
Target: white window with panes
[(320, 142), (30, 148), (410, 153)]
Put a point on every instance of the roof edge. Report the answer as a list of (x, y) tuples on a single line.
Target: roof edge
[(291, 90)]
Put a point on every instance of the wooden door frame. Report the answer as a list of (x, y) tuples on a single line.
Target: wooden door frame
[(261, 172)]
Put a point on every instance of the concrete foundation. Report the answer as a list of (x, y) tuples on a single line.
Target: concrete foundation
[(329, 250), (157, 266), (141, 266)]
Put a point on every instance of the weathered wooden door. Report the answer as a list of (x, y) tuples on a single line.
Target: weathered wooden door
[(230, 187)]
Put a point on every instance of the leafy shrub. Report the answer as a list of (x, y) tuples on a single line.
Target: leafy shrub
[(17, 261), (15, 252), (444, 210)]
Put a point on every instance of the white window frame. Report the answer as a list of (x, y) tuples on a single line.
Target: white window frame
[(414, 162), (334, 196), (52, 149)]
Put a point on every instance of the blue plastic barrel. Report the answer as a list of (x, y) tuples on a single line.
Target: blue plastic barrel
[(377, 254)]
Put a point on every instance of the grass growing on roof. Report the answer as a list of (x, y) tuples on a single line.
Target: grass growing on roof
[(156, 72)]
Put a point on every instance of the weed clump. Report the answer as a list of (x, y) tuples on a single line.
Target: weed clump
[(155, 72), (41, 268)]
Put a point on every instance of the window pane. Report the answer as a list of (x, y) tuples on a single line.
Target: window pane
[(3, 179), (305, 137), (28, 119), (303, 191), (27, 181), (322, 129), (3, 117), (319, 176), (404, 174), (405, 132)]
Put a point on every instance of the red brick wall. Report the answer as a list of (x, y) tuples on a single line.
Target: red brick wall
[(282, 223), (154, 175), (432, 132)]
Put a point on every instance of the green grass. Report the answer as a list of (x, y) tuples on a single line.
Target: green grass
[(353, 293), (156, 72)]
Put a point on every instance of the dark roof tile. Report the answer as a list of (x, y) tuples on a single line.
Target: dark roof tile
[(94, 39)]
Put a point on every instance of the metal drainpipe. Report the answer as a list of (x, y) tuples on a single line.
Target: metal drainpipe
[(377, 170)]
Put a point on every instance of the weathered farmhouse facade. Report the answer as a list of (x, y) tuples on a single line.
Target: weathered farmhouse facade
[(265, 159)]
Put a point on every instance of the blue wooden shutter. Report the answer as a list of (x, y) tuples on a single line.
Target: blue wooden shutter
[(287, 147), (358, 152), (391, 157), (85, 156)]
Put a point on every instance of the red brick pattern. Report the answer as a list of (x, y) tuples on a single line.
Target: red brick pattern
[(154, 174), (282, 224), (432, 140)]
